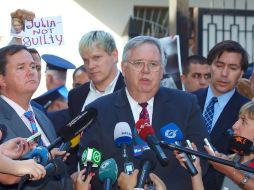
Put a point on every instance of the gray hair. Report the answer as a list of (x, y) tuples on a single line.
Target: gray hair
[(101, 39), (139, 40)]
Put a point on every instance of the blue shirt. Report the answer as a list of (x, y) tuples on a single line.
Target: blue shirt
[(218, 106)]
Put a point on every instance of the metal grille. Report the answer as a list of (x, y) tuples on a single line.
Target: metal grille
[(216, 25), (151, 21)]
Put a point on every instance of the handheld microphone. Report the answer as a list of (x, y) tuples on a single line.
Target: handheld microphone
[(75, 126), (123, 138), (171, 133), (108, 172), (146, 132), (241, 145), (40, 155), (91, 157), (148, 163), (54, 167), (70, 144)]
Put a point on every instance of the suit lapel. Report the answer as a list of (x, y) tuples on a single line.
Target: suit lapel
[(231, 106), (13, 122), (123, 109), (120, 82)]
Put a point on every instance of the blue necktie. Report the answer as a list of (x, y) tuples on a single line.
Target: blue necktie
[(30, 116), (209, 112)]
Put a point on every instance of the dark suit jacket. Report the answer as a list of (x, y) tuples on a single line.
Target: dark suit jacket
[(169, 106), (219, 136), (76, 100), (77, 96), (17, 128)]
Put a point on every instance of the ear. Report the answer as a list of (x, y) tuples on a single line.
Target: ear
[(123, 68), (115, 55), (2, 81), (49, 80), (183, 78)]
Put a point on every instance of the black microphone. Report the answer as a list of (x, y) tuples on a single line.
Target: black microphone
[(233, 164), (172, 134), (146, 132), (75, 126), (54, 167), (241, 145), (148, 163)]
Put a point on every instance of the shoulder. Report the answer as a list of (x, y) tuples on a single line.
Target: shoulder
[(80, 89), (174, 94)]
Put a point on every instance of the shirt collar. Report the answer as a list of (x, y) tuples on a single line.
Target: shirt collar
[(222, 99), (134, 102), (109, 88), (19, 110)]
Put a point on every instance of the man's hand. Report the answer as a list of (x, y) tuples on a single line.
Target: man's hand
[(15, 148), (127, 182)]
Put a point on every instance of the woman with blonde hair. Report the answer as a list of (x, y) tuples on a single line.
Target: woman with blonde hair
[(234, 179)]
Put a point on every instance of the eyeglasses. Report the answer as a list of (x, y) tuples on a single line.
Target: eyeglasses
[(139, 65)]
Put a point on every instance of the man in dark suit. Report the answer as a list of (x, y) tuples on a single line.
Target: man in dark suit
[(228, 62), (142, 69), (99, 53), (18, 81)]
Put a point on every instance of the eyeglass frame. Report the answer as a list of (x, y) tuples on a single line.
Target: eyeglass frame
[(149, 64)]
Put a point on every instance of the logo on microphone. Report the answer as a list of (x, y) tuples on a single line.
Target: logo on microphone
[(105, 164), (142, 126), (169, 133), (96, 157)]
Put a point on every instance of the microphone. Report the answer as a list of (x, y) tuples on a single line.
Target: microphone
[(146, 132), (123, 138), (171, 133), (70, 144), (233, 164), (54, 167), (108, 172), (40, 155), (75, 126), (91, 157), (241, 145), (148, 163)]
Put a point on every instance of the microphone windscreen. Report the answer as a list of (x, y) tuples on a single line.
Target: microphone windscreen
[(91, 154), (144, 129), (108, 170), (122, 134), (240, 145), (40, 155), (171, 133), (78, 124)]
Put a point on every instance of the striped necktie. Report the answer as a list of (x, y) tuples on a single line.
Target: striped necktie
[(30, 116), (209, 112)]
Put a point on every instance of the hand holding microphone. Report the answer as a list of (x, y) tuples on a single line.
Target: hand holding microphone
[(123, 139), (108, 172), (91, 157), (172, 134)]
